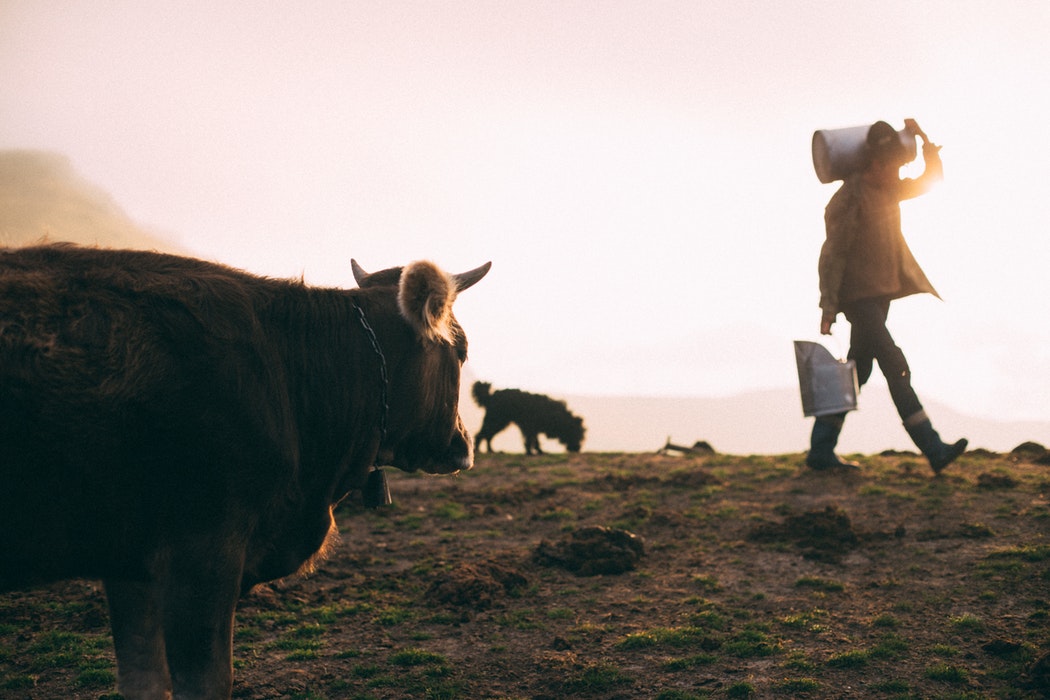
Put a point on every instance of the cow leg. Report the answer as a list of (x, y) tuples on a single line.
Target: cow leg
[(135, 616), (199, 604)]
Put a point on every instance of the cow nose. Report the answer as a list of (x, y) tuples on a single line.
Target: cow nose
[(460, 456)]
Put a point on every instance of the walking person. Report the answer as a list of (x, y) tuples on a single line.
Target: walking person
[(864, 265)]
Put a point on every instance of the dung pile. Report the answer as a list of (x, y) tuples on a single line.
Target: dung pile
[(474, 585), (821, 535), (591, 551)]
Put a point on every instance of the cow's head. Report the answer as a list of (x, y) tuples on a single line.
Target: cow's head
[(424, 355)]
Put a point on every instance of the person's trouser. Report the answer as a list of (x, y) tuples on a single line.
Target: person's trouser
[(871, 341)]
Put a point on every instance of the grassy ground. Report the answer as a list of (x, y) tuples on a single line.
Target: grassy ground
[(758, 579)]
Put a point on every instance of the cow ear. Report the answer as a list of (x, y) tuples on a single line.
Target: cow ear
[(425, 297)]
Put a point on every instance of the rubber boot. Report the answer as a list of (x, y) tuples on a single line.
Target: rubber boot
[(822, 441), (939, 453)]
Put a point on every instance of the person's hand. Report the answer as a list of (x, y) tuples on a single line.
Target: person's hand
[(912, 127), (825, 324)]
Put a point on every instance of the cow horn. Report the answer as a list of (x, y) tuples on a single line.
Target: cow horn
[(469, 279), (359, 272)]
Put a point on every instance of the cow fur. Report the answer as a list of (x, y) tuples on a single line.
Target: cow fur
[(182, 431), (532, 413)]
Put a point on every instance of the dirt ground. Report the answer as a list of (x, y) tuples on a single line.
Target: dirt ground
[(633, 576)]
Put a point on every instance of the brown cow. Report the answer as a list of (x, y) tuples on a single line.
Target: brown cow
[(182, 430)]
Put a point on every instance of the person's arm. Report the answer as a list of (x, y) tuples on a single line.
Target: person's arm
[(840, 227), (933, 171)]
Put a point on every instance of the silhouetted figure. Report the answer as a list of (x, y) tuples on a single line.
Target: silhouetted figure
[(864, 265)]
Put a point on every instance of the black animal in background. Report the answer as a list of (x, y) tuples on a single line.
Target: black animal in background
[(532, 413)]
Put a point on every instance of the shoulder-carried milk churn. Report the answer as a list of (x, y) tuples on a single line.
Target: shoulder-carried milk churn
[(838, 153)]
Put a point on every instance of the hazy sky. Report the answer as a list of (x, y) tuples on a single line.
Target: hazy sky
[(638, 172)]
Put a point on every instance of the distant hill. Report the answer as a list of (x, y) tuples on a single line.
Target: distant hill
[(759, 422), (42, 199)]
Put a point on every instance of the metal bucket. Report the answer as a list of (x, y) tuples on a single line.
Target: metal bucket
[(838, 153), (828, 385)]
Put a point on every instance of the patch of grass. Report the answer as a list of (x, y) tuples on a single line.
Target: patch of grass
[(561, 614), (820, 584), (422, 681), (675, 637), (597, 678), (365, 671), (903, 606), (796, 686), (308, 631), (946, 673), (634, 519), (410, 521), (451, 510), (944, 650), (740, 690), (296, 645), (708, 584), (520, 620), (687, 662), (967, 623), (886, 621), (303, 643), (856, 658), (69, 608), (804, 620), (1013, 561), (245, 633), (277, 618), (727, 512), (393, 616), (417, 657), (444, 617), (797, 661), (749, 644), (890, 494), (17, 682), (709, 620), (83, 652), (325, 614), (587, 632), (891, 646)]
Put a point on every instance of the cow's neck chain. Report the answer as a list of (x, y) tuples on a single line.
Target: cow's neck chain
[(382, 369)]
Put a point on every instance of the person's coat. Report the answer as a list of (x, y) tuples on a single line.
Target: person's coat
[(865, 255)]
